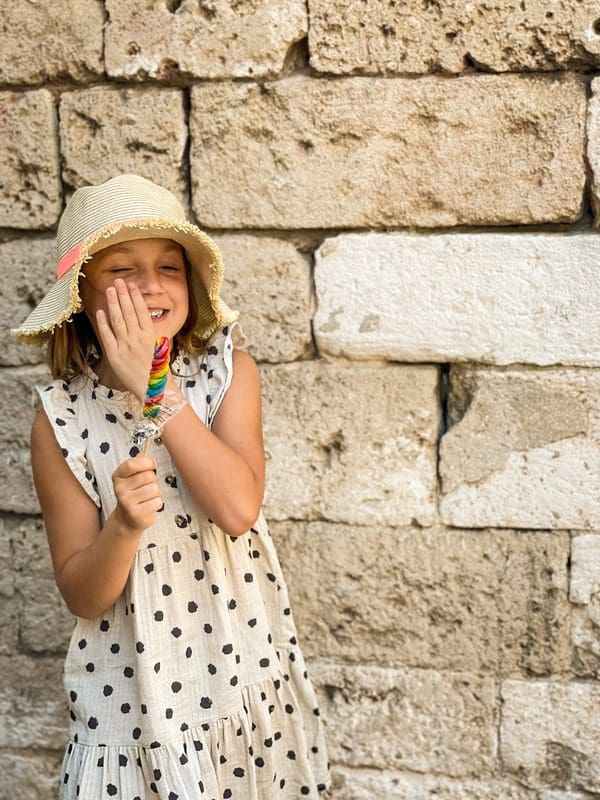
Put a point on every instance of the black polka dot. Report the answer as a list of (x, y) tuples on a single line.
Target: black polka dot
[(111, 418), (128, 672), (166, 589), (104, 447), (107, 691)]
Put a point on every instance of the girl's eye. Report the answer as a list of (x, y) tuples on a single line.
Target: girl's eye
[(171, 267), (119, 269)]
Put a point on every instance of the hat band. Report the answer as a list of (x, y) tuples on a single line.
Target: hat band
[(66, 262)]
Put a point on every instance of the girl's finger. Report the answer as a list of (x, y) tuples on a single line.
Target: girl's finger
[(127, 309), (107, 338), (114, 312), (141, 309)]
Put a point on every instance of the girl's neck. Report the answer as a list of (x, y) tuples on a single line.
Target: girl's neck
[(107, 377)]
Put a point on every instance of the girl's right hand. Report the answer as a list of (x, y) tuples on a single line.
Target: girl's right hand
[(137, 492)]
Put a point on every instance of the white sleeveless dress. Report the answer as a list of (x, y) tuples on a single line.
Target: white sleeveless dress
[(193, 685)]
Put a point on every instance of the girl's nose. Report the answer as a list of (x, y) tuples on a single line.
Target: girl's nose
[(149, 281)]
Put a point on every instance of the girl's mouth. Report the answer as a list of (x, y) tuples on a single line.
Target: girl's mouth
[(157, 314)]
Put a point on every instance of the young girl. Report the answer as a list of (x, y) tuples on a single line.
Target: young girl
[(184, 677)]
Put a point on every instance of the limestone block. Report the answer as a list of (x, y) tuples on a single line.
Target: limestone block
[(593, 147), (550, 734), (30, 775), (484, 601), (350, 443), (28, 268), (45, 622), (302, 153), (105, 131), (8, 605), (269, 282), (408, 719), (33, 711), (202, 38), (346, 36), (17, 492), (370, 784), (522, 449), (585, 593), (489, 297), (44, 41), (30, 188)]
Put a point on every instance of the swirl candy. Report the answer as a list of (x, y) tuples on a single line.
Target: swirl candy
[(158, 378)]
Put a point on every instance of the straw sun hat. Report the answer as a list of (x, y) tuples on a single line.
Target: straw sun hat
[(121, 209)]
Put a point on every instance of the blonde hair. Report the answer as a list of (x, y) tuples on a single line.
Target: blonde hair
[(74, 346)]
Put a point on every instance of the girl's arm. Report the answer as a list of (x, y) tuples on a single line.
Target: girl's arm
[(224, 469), (91, 565)]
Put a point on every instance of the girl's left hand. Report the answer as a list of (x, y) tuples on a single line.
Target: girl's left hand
[(127, 336)]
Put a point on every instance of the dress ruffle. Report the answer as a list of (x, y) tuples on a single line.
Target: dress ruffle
[(238, 757)]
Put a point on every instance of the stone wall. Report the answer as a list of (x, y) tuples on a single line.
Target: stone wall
[(406, 196)]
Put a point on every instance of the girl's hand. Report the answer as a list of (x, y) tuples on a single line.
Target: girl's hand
[(137, 493), (127, 336)]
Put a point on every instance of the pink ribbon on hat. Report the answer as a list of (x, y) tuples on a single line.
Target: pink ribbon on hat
[(66, 262)]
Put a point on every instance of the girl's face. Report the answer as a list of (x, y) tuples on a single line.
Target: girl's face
[(156, 266)]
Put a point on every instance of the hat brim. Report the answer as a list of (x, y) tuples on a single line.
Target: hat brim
[(63, 299)]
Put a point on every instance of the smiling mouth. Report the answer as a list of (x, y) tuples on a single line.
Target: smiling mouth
[(158, 313)]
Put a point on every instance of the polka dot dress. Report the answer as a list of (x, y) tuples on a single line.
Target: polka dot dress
[(193, 685)]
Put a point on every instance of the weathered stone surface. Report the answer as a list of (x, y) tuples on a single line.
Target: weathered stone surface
[(376, 152), (370, 784), (585, 593), (485, 601), (486, 297), (550, 734), (29, 775), (105, 131), (45, 622), (195, 38), (269, 282), (522, 449), (29, 183), (33, 710), (17, 492), (44, 41), (593, 147), (8, 605), (346, 36), (350, 443), (413, 719), (28, 268)]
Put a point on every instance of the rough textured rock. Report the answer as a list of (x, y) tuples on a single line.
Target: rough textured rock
[(375, 152), (550, 734), (45, 623), (105, 131), (203, 38), (593, 146), (346, 36), (522, 449), (269, 282), (30, 195), (370, 784), (585, 594), (28, 268), (33, 712), (8, 604), (487, 297), (485, 601), (17, 492), (413, 719), (29, 775), (350, 444), (45, 41)]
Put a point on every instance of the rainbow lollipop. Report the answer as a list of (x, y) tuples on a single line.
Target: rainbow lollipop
[(158, 378)]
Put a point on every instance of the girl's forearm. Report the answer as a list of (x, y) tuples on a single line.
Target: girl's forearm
[(93, 578), (218, 478)]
